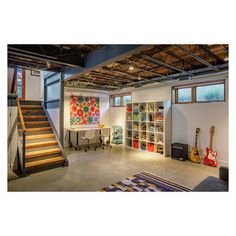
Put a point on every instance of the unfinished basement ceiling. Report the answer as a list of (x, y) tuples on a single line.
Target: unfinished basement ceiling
[(157, 63), (51, 57), (152, 63)]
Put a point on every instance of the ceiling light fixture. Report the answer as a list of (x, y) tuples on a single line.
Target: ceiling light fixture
[(131, 67), (139, 78), (226, 59)]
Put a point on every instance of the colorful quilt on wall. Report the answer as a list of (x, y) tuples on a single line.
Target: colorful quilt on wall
[(84, 110)]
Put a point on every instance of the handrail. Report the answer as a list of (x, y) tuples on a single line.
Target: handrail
[(22, 156), (20, 114)]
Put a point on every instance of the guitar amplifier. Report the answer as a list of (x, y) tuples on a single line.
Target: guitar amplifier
[(179, 151)]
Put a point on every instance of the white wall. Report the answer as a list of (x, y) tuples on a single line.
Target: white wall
[(104, 105), (118, 114), (32, 87), (152, 94), (12, 143), (186, 118)]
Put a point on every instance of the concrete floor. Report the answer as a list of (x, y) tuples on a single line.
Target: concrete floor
[(93, 170)]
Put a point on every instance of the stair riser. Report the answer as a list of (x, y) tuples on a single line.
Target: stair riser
[(34, 125), (33, 113), (33, 119), (22, 102), (32, 108), (36, 129)]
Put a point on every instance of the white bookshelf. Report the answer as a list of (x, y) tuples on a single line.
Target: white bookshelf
[(148, 127)]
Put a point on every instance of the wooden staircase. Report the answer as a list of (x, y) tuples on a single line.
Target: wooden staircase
[(42, 150)]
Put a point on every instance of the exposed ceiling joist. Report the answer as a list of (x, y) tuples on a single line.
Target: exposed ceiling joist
[(133, 77), (110, 77), (46, 54), (161, 63), (180, 76), (179, 58), (209, 52), (139, 68), (198, 58)]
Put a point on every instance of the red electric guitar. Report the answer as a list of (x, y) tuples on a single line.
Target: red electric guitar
[(210, 158)]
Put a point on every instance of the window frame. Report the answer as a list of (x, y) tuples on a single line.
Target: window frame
[(112, 99), (194, 91), (209, 85), (177, 95)]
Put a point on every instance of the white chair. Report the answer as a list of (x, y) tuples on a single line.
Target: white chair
[(89, 135), (105, 134)]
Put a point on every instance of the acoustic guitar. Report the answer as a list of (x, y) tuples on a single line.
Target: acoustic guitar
[(210, 157), (195, 154)]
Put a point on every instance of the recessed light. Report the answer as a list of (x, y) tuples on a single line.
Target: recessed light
[(139, 78), (131, 68)]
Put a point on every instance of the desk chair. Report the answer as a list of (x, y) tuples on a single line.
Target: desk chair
[(89, 135), (105, 133)]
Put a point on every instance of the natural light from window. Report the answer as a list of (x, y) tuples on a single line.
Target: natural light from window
[(185, 95), (210, 93)]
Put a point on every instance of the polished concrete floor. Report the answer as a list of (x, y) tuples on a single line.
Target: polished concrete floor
[(93, 170)]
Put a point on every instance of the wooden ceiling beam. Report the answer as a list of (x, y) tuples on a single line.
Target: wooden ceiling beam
[(209, 52), (145, 70), (97, 81), (106, 76), (206, 63), (132, 77), (179, 58)]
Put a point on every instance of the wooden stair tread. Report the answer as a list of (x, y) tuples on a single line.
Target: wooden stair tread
[(39, 153), (43, 163), (40, 144), (38, 136), (35, 116), (35, 122), (36, 129)]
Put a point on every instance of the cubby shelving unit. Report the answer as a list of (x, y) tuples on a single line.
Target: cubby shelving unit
[(148, 126)]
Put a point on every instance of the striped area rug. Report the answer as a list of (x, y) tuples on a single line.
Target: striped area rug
[(145, 182)]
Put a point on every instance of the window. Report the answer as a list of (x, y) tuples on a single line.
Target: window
[(201, 92), (126, 99), (21, 83), (117, 101), (210, 93), (184, 95), (120, 100)]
